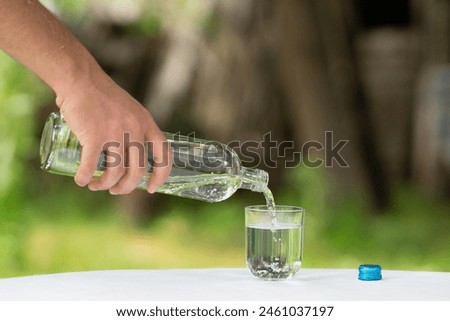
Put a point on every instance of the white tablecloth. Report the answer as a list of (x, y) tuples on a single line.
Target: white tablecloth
[(225, 285)]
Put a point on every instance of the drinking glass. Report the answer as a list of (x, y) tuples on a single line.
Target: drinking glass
[(274, 240)]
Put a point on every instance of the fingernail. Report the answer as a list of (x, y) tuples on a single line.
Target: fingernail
[(92, 188), (81, 183)]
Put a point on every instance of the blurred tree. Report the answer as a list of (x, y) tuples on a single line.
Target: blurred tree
[(431, 119), (301, 68), (287, 67)]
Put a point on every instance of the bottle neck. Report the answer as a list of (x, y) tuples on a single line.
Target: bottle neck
[(254, 179)]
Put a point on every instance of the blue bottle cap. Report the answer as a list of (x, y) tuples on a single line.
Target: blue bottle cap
[(369, 272)]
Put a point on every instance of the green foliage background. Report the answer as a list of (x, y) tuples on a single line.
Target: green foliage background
[(48, 224)]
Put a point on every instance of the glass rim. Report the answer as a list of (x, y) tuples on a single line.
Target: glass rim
[(278, 209)]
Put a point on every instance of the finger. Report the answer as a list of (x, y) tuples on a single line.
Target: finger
[(88, 164), (136, 167), (162, 156), (115, 168)]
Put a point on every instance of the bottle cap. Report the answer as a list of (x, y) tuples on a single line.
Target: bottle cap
[(369, 272)]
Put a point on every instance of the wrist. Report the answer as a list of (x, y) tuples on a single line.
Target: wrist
[(77, 73)]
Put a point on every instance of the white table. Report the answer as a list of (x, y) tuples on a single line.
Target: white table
[(225, 285)]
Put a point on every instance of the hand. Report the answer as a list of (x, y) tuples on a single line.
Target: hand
[(98, 111), (106, 118)]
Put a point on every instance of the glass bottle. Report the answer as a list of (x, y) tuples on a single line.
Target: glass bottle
[(203, 170)]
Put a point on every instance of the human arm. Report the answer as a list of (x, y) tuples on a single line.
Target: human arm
[(96, 109)]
